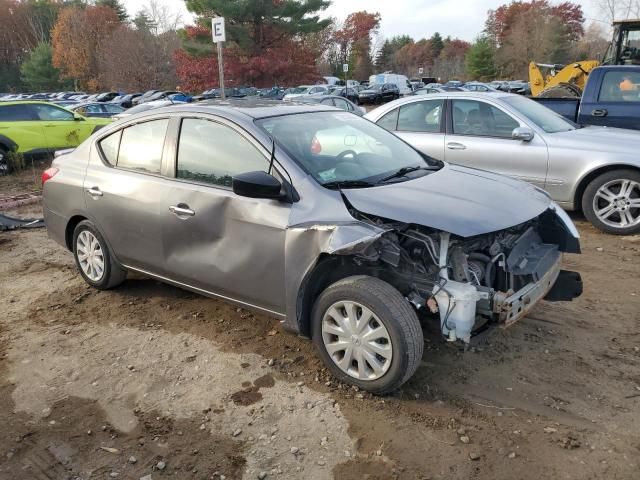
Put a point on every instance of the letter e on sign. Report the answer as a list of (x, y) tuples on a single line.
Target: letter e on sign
[(217, 29)]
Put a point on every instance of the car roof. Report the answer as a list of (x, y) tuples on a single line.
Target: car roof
[(27, 102), (253, 108)]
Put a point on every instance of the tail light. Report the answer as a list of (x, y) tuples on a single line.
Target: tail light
[(48, 174)]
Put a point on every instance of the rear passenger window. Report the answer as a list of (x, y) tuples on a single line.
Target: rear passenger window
[(420, 116), (109, 146), (389, 120), (213, 153), (17, 113), (141, 146)]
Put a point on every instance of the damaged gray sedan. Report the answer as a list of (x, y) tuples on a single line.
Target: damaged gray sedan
[(315, 216)]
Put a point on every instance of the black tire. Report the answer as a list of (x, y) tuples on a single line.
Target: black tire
[(4, 163), (113, 274), (397, 316), (590, 193)]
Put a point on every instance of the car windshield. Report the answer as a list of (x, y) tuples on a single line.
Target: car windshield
[(339, 147), (546, 119), (375, 86)]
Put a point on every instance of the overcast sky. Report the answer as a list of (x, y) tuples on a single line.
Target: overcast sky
[(418, 18)]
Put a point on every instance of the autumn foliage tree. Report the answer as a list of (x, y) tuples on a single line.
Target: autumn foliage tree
[(535, 30), (77, 37)]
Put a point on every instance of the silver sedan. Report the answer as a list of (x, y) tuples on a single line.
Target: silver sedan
[(596, 169)]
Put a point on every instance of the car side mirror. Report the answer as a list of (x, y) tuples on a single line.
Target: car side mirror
[(524, 134), (257, 185)]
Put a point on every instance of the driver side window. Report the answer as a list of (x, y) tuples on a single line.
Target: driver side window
[(51, 113), (213, 153), (472, 117)]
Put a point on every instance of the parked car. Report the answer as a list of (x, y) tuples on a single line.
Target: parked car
[(520, 87), (349, 93), (478, 87), (428, 90), (500, 85), (345, 230), (379, 93), (275, 93), (401, 82), (143, 98), (595, 169), (143, 107), (611, 98), (106, 96), (307, 90), (97, 109), (454, 83), (126, 101), (334, 101), (65, 103), (32, 127)]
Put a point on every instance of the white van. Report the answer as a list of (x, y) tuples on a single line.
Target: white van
[(400, 80)]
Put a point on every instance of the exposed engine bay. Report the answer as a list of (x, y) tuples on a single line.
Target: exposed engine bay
[(466, 282)]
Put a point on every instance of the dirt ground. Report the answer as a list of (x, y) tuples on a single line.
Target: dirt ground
[(148, 382)]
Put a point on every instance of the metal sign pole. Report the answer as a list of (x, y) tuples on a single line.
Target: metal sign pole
[(219, 37), (221, 70)]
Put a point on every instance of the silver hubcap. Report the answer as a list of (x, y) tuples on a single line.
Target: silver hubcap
[(356, 340), (90, 255), (617, 203)]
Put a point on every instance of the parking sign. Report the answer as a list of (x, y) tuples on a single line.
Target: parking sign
[(217, 29), (345, 67)]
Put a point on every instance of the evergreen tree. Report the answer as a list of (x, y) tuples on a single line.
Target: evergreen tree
[(117, 6), (38, 72), (143, 23), (385, 58), (480, 60), (252, 23), (437, 44)]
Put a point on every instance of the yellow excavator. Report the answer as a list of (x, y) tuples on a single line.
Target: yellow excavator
[(569, 80)]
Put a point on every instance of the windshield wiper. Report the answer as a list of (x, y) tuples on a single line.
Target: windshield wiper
[(339, 184), (402, 172)]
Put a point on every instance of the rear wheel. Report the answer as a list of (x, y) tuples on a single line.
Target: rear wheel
[(367, 334), (611, 202), (93, 258)]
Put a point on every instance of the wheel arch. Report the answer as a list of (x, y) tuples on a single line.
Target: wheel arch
[(70, 228), (593, 174), (327, 270)]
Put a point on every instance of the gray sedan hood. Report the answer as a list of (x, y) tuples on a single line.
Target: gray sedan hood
[(459, 200)]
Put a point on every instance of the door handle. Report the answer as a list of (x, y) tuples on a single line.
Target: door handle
[(94, 192), (599, 112), (456, 146), (182, 210)]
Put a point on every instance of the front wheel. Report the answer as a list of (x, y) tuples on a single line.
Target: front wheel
[(93, 258), (367, 334), (611, 202)]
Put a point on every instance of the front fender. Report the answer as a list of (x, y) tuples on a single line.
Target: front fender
[(304, 245)]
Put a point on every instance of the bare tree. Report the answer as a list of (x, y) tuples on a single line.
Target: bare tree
[(618, 9), (163, 17)]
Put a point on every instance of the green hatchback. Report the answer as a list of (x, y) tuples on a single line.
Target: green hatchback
[(41, 127)]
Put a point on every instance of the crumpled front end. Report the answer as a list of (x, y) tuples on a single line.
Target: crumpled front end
[(464, 282)]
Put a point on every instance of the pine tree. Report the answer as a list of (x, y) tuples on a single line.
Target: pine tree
[(117, 6), (38, 72), (143, 23), (437, 44), (251, 23), (480, 60)]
